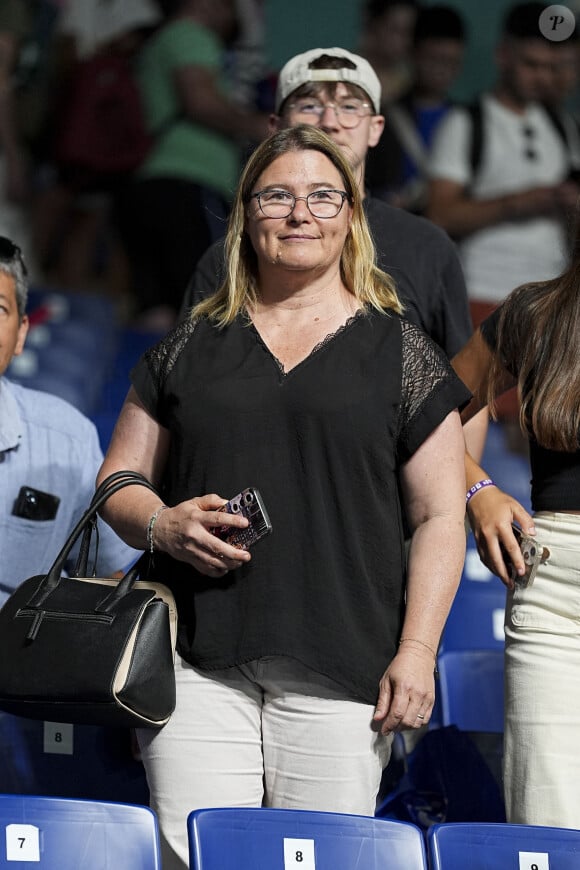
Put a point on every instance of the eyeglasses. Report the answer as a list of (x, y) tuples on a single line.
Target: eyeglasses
[(10, 251), (348, 112), (281, 203), (530, 152)]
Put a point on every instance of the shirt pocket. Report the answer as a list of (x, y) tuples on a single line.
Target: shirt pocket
[(27, 548)]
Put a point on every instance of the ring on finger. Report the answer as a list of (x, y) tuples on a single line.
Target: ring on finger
[(419, 716)]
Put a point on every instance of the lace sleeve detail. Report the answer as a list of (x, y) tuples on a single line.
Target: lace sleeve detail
[(161, 358), (426, 371)]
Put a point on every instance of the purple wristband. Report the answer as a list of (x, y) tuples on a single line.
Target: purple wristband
[(481, 484)]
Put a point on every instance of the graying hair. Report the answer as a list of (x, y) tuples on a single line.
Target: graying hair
[(16, 269)]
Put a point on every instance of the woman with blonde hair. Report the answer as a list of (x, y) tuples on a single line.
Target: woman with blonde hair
[(297, 660)]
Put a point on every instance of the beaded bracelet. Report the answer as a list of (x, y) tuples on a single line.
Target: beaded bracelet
[(150, 526), (481, 484)]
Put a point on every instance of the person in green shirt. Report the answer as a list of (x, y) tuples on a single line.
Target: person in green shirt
[(179, 201)]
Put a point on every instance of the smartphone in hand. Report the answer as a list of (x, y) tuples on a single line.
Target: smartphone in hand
[(534, 554), (247, 503)]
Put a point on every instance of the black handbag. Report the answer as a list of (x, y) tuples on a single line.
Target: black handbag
[(90, 650)]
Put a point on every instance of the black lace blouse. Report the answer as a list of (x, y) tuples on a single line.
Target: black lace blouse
[(323, 443)]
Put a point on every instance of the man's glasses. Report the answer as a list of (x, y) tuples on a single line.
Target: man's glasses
[(530, 152), (348, 112), (10, 251), (281, 203)]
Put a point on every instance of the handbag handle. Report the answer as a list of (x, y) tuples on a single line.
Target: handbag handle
[(111, 485), (81, 566)]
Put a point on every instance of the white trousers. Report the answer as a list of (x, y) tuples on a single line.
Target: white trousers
[(542, 712), (269, 733)]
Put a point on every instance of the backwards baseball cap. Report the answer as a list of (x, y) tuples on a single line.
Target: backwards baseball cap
[(297, 72)]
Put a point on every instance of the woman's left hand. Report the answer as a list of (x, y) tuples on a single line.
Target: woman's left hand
[(406, 691)]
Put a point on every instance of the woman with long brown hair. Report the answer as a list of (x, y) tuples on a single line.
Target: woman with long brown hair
[(533, 340)]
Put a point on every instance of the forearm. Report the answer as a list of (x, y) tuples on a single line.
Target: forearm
[(212, 110), (475, 433), (139, 444), (184, 531), (435, 563), (467, 215), (474, 473), (129, 513)]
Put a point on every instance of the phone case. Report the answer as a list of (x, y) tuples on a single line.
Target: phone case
[(534, 554), (248, 503), (33, 504)]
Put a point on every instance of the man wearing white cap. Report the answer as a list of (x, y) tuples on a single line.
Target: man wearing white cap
[(339, 92)]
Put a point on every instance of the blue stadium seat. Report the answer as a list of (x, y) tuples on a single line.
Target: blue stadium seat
[(485, 846), (475, 620), (64, 834), (470, 687), (276, 839), (80, 761), (60, 305)]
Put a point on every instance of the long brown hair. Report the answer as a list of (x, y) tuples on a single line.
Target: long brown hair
[(539, 338), (370, 285)]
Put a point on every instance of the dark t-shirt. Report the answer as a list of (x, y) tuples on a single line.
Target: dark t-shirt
[(555, 473), (323, 444), (419, 256)]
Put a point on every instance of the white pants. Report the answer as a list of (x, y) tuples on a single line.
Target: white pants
[(542, 712), (268, 733)]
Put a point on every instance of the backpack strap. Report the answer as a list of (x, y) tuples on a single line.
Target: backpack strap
[(558, 124), (475, 113)]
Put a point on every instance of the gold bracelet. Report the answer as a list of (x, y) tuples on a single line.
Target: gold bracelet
[(422, 643)]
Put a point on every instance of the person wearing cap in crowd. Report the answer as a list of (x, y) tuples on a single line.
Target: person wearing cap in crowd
[(49, 458), (339, 92)]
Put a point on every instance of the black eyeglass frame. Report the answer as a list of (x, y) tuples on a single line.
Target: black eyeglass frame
[(343, 194)]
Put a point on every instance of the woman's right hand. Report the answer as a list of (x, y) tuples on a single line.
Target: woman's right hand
[(185, 532), (491, 513)]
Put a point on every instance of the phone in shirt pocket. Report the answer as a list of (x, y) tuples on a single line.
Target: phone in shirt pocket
[(33, 504)]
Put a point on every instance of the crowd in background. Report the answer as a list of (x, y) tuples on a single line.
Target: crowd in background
[(72, 213), (124, 125), (206, 94)]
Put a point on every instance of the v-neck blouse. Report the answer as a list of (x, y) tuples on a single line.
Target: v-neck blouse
[(324, 444)]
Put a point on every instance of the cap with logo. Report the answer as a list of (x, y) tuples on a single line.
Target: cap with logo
[(297, 72)]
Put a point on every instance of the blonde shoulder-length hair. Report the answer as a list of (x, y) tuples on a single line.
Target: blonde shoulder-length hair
[(239, 292)]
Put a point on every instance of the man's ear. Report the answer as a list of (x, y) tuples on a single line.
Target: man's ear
[(22, 333), (275, 123), (376, 128)]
